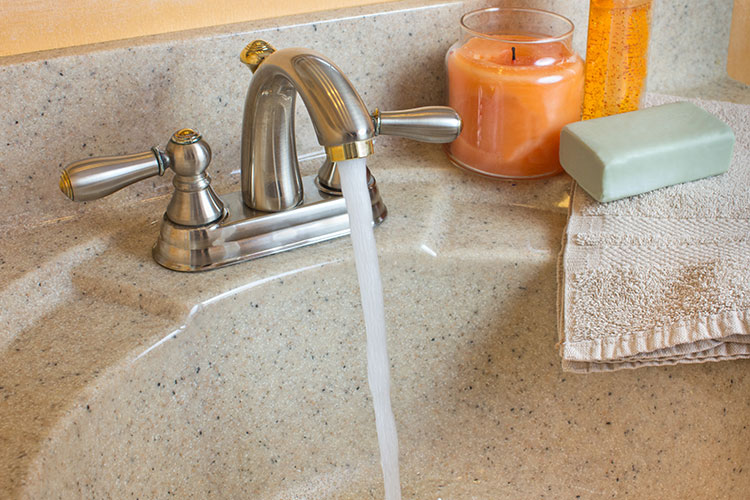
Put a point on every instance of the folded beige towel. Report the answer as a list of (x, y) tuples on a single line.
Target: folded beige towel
[(663, 277)]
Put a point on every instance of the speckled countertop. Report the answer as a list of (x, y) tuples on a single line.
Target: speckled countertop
[(119, 379)]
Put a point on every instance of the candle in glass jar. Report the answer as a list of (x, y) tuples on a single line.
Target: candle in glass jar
[(514, 92)]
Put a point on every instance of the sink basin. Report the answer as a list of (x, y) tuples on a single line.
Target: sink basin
[(262, 392)]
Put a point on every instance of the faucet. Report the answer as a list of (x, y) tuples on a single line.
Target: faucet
[(270, 174), (277, 209)]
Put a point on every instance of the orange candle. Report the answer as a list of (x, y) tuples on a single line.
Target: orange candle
[(516, 81)]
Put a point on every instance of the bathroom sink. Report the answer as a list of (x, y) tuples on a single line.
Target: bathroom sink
[(262, 393)]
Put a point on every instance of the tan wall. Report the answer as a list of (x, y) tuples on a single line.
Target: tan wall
[(32, 25)]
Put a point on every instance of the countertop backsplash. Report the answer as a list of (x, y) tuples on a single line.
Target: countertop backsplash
[(127, 96)]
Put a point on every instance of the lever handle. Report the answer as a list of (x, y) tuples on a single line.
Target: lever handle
[(94, 178), (427, 124), (194, 203)]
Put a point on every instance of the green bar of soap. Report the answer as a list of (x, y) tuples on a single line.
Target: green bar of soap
[(631, 153)]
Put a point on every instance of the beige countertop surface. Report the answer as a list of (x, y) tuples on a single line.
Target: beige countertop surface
[(483, 408), (121, 379)]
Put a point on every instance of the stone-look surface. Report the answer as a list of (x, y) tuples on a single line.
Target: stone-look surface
[(125, 97), (263, 394)]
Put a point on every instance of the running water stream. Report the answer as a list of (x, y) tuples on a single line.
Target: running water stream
[(353, 175)]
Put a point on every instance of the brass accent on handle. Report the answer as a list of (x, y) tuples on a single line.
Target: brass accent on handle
[(255, 53), (186, 136), (65, 186)]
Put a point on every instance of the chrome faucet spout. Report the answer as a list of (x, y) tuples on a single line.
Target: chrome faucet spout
[(270, 173)]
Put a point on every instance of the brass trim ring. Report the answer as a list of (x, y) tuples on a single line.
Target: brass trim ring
[(350, 151)]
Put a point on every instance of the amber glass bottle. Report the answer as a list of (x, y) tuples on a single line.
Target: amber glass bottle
[(616, 56)]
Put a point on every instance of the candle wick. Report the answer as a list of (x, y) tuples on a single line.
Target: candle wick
[(513, 50)]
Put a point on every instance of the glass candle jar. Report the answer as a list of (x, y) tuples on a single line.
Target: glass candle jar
[(616, 56), (516, 81)]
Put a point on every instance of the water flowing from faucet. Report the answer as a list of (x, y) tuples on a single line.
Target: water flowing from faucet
[(354, 186)]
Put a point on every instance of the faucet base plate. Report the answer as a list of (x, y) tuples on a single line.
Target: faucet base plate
[(243, 233)]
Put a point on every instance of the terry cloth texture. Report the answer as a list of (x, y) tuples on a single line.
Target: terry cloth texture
[(663, 277)]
